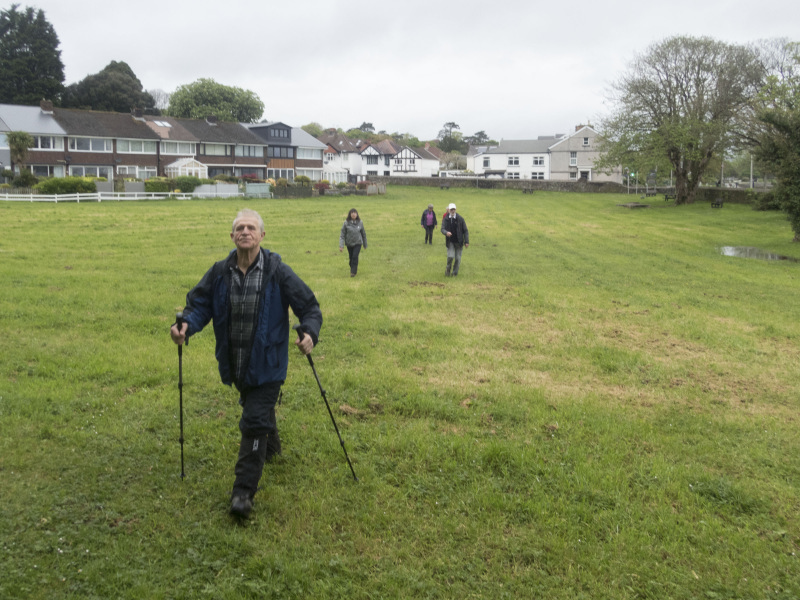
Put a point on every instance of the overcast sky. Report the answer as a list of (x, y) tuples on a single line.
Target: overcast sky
[(515, 69)]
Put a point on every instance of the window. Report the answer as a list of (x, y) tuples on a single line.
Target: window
[(512, 175), (538, 161), (287, 174), (486, 162), (46, 142), (309, 154), (386, 161), (91, 172), (136, 172), (280, 152), (136, 146), (215, 149), (398, 162), (162, 124), (250, 151), (372, 173), (537, 175), (513, 161), (184, 148), (573, 159), (329, 157), (249, 172), (372, 160), (85, 144), (585, 141), (47, 170), (573, 176)]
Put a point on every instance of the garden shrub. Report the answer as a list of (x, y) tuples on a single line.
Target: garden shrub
[(158, 185), (187, 183), (67, 185), (25, 179)]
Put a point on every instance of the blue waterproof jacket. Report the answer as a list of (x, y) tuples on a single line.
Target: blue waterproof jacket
[(269, 354)]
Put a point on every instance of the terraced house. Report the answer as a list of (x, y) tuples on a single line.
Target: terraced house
[(111, 145)]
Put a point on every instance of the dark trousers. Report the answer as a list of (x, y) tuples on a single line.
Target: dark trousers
[(260, 440), (354, 251), (429, 234)]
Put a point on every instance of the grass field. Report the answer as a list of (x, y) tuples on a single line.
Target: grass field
[(601, 405)]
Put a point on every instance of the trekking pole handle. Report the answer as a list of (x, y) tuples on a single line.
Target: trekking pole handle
[(179, 321)]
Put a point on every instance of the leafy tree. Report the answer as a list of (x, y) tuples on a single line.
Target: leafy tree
[(479, 138), (779, 143), (30, 61), (19, 142), (313, 129), (367, 127), (206, 97), (451, 140), (683, 100), (116, 88)]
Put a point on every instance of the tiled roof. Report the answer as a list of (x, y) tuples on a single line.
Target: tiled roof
[(223, 132), (102, 124)]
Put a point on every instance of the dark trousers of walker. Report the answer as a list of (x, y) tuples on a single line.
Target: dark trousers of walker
[(260, 440), (354, 251), (429, 234)]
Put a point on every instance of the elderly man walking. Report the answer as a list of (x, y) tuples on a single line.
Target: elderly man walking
[(248, 296), (455, 229)]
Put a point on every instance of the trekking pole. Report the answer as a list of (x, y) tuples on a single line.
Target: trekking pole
[(325, 398), (179, 324)]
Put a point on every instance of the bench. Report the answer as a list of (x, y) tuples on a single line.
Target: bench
[(648, 194), (670, 197), (444, 186), (716, 203), (527, 191)]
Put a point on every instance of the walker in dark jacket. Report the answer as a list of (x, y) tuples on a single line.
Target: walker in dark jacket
[(454, 228), (248, 296)]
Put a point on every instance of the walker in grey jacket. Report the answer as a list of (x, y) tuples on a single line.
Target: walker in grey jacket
[(353, 236)]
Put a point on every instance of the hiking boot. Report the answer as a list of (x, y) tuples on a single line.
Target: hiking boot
[(241, 506)]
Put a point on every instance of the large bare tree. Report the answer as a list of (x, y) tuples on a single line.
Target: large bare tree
[(684, 100)]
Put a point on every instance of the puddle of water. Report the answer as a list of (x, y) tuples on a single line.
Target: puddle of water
[(750, 252)]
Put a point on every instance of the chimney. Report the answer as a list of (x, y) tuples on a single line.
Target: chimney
[(46, 106), (211, 120), (579, 127), (138, 114)]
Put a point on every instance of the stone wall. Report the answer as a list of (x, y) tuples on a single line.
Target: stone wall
[(504, 184)]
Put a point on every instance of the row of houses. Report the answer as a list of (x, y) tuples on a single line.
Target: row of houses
[(106, 144), (120, 145)]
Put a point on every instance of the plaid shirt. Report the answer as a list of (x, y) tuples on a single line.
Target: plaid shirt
[(244, 306)]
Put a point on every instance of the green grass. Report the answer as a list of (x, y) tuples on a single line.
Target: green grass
[(599, 406)]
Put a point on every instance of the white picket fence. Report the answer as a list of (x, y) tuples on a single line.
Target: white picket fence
[(100, 197)]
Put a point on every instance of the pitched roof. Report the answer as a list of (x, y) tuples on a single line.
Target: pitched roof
[(102, 124), (581, 129), (306, 140), (221, 132), (337, 140), (28, 118), (425, 154), (520, 147), (387, 146)]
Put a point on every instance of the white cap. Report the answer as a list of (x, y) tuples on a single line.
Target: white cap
[(451, 206)]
